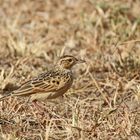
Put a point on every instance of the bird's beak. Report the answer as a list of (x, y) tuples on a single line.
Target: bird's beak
[(81, 61)]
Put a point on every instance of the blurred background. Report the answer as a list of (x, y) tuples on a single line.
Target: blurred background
[(104, 101)]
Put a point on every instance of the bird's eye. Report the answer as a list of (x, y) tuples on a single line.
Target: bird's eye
[(70, 60)]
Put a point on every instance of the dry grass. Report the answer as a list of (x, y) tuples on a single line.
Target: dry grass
[(104, 102)]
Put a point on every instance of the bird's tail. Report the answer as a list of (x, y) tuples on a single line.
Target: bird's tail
[(5, 96)]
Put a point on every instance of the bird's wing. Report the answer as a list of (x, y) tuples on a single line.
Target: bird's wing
[(46, 82)]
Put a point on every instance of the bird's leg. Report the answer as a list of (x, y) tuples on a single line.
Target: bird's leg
[(39, 107)]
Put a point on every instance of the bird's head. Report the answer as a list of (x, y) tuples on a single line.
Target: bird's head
[(68, 61)]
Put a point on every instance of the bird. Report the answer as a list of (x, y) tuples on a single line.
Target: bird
[(50, 84)]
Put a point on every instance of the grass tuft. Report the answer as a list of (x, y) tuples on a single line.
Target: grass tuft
[(104, 100)]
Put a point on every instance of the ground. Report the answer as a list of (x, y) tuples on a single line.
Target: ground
[(104, 101)]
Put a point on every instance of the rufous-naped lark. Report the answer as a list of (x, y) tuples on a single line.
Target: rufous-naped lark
[(51, 84)]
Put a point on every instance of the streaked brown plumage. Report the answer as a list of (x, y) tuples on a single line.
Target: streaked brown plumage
[(51, 84)]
